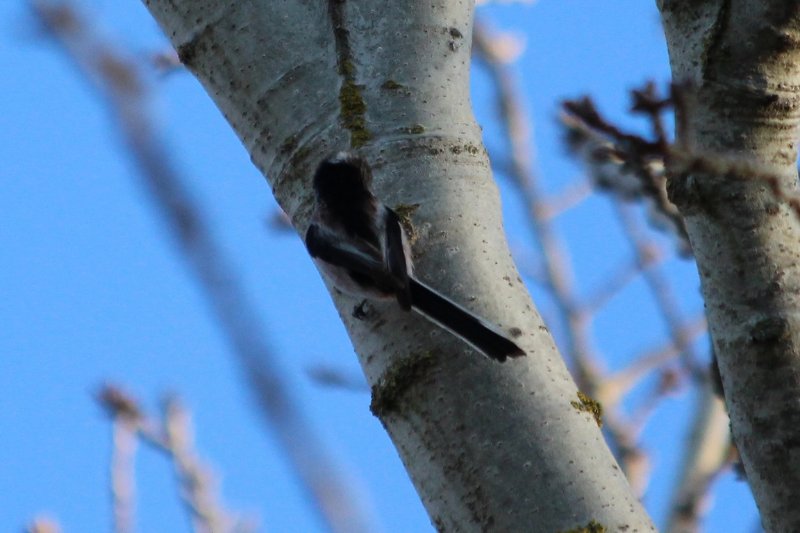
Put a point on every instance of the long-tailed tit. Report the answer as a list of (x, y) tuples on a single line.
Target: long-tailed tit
[(360, 245)]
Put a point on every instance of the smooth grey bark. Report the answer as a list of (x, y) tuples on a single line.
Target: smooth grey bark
[(492, 447), (743, 59)]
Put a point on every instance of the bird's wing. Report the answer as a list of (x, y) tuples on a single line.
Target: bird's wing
[(395, 258), (324, 246), (331, 249)]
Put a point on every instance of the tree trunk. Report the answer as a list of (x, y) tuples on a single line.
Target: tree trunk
[(742, 58), (494, 447)]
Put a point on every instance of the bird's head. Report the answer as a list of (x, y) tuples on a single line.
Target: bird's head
[(342, 177)]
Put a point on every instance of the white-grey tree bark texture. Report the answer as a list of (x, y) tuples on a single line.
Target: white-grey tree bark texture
[(743, 60), (489, 447)]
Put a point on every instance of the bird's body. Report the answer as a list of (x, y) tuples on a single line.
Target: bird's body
[(360, 245)]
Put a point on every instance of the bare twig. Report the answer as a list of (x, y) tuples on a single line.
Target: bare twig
[(194, 478), (121, 83), (122, 473), (126, 418), (556, 266), (625, 443), (633, 166), (627, 165), (572, 196), (174, 437), (556, 274), (617, 281), (685, 164), (659, 287), (614, 157), (166, 61), (43, 524), (336, 378), (670, 381), (617, 385), (625, 432), (705, 457)]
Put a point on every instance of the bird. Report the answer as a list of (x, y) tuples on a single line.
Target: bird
[(360, 245)]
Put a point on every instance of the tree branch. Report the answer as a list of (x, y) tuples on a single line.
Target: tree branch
[(343, 79), (121, 83), (743, 60)]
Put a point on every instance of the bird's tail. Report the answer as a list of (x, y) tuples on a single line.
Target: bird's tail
[(481, 335)]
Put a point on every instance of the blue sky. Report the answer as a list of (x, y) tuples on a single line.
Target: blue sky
[(92, 290)]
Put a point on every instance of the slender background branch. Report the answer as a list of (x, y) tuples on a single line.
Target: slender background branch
[(119, 81)]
